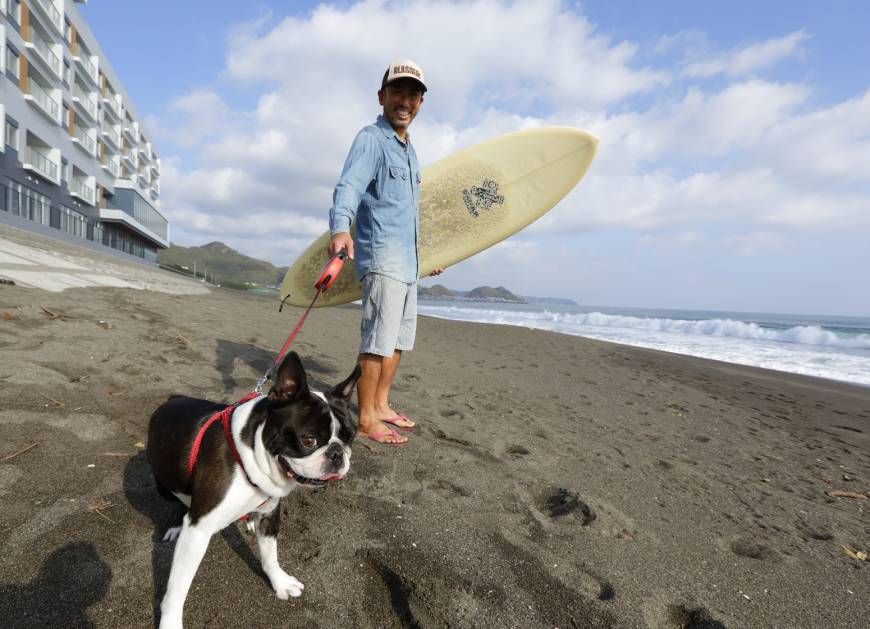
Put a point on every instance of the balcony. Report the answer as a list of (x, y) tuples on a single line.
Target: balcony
[(83, 191), (86, 102), (85, 141), (131, 132), (154, 194), (51, 13), (110, 164), (112, 106), (160, 237), (44, 53), (111, 135), (89, 70), (45, 103), (143, 181), (39, 162), (129, 160)]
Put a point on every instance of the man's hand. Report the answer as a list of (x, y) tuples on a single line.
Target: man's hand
[(436, 272), (339, 241)]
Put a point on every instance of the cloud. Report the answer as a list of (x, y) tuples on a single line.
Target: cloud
[(747, 59), (679, 154)]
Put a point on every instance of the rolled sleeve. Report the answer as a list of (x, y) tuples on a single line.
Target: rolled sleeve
[(358, 172)]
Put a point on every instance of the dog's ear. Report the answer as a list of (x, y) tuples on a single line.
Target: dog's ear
[(345, 389), (290, 379)]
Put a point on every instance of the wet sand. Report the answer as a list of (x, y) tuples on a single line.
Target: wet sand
[(553, 481)]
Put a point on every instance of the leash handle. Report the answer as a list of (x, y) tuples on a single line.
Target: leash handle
[(331, 271)]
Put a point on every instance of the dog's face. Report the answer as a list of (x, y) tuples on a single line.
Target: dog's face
[(307, 432)]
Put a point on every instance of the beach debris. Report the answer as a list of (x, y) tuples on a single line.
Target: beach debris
[(562, 502), (846, 477), (8, 316), (97, 506), (182, 342), (139, 445), (19, 453), (82, 378), (847, 494), (91, 465), (855, 554), (105, 325), (56, 315), (105, 359), (54, 402), (9, 375), (3, 280), (116, 454)]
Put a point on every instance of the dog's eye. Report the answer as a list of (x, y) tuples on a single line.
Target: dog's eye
[(309, 442)]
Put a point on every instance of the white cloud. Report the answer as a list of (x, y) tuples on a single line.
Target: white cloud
[(749, 156), (747, 59)]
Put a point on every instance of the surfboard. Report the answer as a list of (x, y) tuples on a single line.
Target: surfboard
[(469, 201)]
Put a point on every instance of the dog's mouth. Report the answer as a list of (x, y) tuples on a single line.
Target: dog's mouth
[(305, 480)]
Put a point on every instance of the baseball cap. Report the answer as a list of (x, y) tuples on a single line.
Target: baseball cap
[(404, 68)]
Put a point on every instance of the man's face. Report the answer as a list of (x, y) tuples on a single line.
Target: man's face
[(401, 100)]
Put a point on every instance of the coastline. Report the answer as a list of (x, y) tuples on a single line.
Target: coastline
[(553, 481)]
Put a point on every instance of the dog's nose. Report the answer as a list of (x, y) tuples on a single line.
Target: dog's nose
[(335, 454)]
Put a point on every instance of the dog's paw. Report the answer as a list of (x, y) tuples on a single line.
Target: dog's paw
[(172, 534), (285, 585)]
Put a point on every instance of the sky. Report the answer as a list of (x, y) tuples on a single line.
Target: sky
[(733, 171)]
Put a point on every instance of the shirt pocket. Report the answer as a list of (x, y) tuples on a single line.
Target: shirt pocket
[(398, 184)]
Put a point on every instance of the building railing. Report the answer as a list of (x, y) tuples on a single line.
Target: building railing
[(111, 164), (113, 135), (45, 52), (33, 206), (87, 141), (112, 105), (51, 106), (90, 69), (52, 12), (42, 163), (82, 189), (87, 101)]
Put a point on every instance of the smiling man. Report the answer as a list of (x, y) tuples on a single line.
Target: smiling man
[(380, 188)]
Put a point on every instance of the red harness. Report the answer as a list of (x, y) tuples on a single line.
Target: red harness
[(225, 416)]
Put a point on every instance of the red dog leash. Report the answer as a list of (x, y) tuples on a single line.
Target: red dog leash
[(330, 273)]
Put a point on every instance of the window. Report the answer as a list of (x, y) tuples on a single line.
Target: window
[(64, 165), (64, 122), (12, 65), (15, 10), (12, 133), (66, 72), (67, 32)]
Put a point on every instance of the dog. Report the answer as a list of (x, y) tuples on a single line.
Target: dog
[(292, 437)]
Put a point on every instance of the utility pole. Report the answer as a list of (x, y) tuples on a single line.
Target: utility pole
[(194, 268)]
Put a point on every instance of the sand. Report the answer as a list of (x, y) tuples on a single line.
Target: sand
[(552, 481)]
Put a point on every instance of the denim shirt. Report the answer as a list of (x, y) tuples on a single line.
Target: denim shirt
[(380, 187)]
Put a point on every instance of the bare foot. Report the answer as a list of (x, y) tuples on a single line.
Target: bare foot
[(390, 416), (377, 430)]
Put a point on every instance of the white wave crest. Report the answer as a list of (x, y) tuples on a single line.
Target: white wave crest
[(727, 328)]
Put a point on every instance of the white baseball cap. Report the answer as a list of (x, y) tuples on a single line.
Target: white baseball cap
[(402, 69)]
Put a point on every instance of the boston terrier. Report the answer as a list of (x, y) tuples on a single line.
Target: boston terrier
[(270, 445)]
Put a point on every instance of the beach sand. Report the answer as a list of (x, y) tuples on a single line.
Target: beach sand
[(552, 481)]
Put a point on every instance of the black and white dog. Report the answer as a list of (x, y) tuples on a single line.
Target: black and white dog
[(289, 438)]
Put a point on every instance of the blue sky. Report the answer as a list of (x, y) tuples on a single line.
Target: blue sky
[(735, 137)]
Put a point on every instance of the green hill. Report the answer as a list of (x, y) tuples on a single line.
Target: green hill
[(226, 265)]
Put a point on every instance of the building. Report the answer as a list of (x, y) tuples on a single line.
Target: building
[(75, 162)]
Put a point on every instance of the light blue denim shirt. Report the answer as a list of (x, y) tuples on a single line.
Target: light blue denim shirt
[(380, 187)]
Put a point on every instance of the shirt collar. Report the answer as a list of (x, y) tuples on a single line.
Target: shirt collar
[(388, 130)]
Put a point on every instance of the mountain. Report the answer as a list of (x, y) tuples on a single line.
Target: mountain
[(554, 301), (228, 266), (481, 293)]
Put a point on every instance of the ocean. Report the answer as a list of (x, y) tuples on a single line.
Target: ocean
[(833, 347)]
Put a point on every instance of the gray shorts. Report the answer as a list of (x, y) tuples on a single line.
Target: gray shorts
[(389, 319)]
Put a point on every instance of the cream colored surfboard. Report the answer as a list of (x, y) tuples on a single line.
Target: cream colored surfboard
[(468, 202)]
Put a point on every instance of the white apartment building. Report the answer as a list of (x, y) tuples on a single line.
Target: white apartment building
[(75, 161)]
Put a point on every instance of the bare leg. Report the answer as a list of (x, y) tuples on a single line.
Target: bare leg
[(389, 366), (373, 371)]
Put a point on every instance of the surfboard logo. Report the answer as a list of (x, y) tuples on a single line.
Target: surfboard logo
[(481, 197)]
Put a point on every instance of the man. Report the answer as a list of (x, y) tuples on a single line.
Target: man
[(380, 187)]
